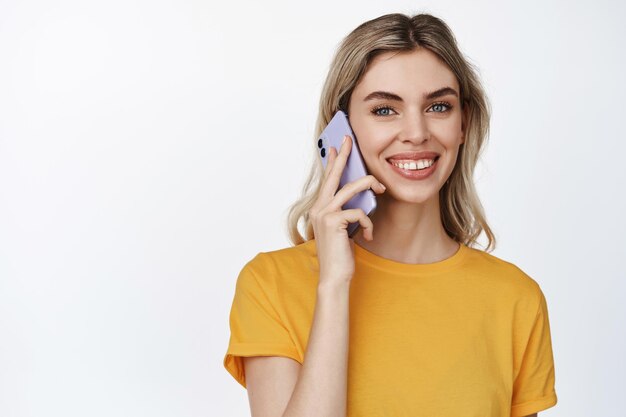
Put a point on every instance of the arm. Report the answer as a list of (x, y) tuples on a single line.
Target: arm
[(270, 381), (321, 389), (279, 386)]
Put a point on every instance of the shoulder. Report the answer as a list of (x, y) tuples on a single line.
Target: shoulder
[(287, 265), (504, 274), (292, 257)]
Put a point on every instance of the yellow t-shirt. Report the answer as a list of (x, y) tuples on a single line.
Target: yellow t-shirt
[(466, 336)]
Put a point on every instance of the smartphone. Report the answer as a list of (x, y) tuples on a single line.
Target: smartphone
[(332, 135)]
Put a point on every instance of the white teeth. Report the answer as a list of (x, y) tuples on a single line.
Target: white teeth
[(421, 164)]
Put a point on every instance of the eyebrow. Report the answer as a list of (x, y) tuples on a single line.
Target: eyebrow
[(385, 95)]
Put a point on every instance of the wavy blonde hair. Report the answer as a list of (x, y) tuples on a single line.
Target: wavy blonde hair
[(462, 213)]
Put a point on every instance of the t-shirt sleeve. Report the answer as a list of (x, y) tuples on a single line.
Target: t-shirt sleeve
[(256, 327), (533, 388)]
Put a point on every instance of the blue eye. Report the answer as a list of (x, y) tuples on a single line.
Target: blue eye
[(439, 105), (376, 110)]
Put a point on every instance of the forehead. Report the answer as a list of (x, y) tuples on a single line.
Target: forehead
[(408, 74)]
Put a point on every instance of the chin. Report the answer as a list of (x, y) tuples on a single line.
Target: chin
[(405, 195)]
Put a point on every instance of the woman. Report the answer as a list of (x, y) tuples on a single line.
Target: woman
[(413, 321)]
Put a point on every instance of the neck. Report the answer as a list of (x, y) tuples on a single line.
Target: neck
[(408, 232)]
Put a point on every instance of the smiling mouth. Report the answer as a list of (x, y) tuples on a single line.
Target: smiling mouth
[(414, 164), (417, 170)]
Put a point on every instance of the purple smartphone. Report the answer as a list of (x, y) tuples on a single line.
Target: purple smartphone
[(332, 135)]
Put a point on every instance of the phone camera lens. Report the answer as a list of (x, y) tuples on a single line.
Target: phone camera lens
[(319, 143), (323, 152)]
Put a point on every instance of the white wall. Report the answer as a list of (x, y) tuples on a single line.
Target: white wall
[(148, 149)]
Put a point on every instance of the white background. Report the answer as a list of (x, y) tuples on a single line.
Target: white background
[(148, 149)]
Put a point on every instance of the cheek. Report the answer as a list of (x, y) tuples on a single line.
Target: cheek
[(371, 147), (373, 138), (378, 132), (448, 133), (373, 144)]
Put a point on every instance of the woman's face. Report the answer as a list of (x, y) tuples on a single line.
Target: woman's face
[(405, 119)]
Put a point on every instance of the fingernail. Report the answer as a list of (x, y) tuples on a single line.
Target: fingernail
[(383, 185), (344, 139)]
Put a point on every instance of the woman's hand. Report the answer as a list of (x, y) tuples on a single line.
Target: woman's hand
[(335, 250)]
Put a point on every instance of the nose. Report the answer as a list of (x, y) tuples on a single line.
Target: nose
[(414, 129)]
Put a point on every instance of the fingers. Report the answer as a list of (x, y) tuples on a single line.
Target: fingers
[(332, 155), (332, 178), (329, 202), (353, 215), (354, 187)]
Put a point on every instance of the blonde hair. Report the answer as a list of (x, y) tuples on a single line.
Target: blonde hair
[(462, 214)]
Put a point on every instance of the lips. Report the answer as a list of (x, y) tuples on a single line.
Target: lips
[(413, 156), (416, 174)]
